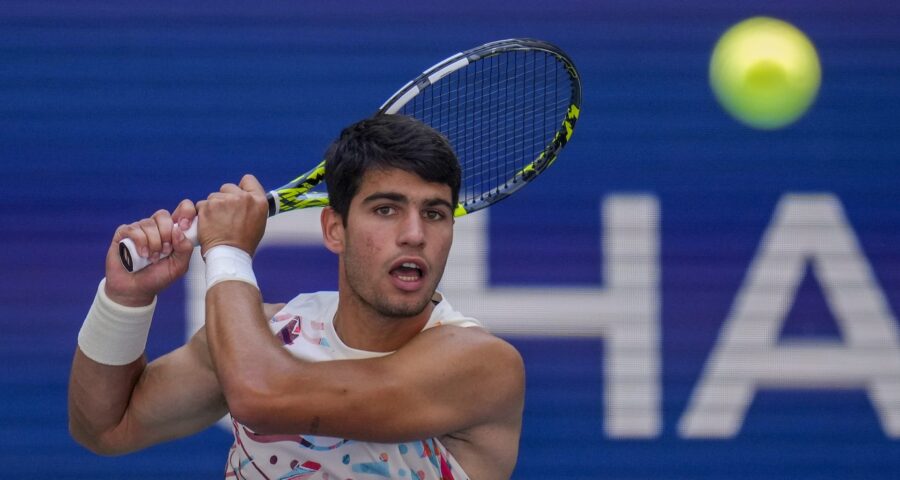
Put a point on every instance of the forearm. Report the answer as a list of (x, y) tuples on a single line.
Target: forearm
[(98, 398), (242, 348), (259, 377), (271, 391), (235, 324), (118, 402), (108, 362)]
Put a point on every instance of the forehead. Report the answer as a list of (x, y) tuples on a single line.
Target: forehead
[(393, 180)]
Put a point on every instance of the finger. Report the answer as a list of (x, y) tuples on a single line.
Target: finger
[(188, 213), (184, 214), (121, 233), (215, 195), (230, 188), (182, 249), (154, 241), (164, 226), (201, 207), (249, 183), (180, 242), (136, 234)]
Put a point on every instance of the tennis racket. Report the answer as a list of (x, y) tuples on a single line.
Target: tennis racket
[(507, 107)]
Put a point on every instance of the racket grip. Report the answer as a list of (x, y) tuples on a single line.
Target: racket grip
[(133, 262)]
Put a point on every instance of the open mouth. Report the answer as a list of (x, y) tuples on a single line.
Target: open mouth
[(408, 272)]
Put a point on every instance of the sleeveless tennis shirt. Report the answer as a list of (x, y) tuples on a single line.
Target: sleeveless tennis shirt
[(306, 329)]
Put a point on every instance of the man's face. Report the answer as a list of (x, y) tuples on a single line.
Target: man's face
[(397, 237)]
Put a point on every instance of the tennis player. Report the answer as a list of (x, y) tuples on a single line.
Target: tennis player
[(382, 379)]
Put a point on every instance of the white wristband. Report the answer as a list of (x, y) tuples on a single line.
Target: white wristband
[(225, 263), (114, 334)]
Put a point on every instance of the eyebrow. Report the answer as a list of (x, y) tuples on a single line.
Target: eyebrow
[(400, 198)]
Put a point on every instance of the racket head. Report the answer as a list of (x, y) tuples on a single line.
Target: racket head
[(508, 108)]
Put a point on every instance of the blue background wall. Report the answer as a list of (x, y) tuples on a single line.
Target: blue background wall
[(111, 110)]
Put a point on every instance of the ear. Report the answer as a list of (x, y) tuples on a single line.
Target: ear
[(332, 230)]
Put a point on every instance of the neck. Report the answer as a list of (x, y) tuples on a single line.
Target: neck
[(359, 326)]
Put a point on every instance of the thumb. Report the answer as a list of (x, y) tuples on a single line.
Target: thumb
[(184, 241), (182, 247)]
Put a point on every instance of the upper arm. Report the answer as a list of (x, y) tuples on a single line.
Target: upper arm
[(445, 380), (450, 380), (179, 393), (176, 395)]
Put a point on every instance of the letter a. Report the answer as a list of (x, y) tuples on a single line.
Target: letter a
[(806, 229)]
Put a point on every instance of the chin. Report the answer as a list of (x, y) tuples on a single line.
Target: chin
[(403, 308)]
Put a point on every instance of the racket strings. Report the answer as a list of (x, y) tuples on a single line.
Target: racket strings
[(500, 113)]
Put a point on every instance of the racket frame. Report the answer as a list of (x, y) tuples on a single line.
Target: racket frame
[(296, 194)]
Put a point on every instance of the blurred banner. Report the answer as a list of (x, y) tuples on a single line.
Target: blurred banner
[(693, 298)]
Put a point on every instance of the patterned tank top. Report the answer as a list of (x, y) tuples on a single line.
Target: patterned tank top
[(305, 327)]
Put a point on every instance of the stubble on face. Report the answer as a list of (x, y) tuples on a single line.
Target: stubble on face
[(359, 273), (371, 249)]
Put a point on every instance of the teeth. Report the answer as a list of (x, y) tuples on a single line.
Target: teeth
[(410, 278)]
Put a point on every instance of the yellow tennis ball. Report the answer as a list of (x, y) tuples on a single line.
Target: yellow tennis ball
[(765, 72)]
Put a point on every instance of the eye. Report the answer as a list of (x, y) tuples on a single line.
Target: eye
[(434, 215), (385, 210)]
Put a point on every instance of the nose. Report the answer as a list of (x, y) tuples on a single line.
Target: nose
[(412, 230)]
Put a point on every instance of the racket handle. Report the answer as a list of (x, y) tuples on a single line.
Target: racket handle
[(133, 262)]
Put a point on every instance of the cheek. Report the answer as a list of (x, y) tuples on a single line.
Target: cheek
[(443, 242), (369, 248), (370, 244), (361, 256)]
